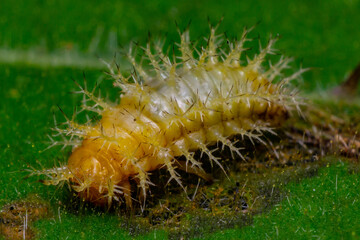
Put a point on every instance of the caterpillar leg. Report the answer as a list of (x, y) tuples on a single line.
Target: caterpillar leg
[(198, 140), (127, 194), (194, 170)]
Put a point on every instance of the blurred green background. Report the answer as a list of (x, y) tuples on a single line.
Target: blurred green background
[(43, 44), (320, 34)]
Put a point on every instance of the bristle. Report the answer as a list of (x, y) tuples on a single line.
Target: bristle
[(137, 67), (236, 49)]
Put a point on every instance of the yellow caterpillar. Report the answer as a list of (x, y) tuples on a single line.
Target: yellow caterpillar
[(181, 105)]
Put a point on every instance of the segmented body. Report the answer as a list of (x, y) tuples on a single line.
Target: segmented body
[(186, 106)]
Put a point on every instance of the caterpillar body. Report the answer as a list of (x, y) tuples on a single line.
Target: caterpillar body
[(187, 104)]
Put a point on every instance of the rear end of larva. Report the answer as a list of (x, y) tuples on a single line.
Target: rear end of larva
[(182, 105)]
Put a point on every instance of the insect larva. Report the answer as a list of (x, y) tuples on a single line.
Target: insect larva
[(188, 104)]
